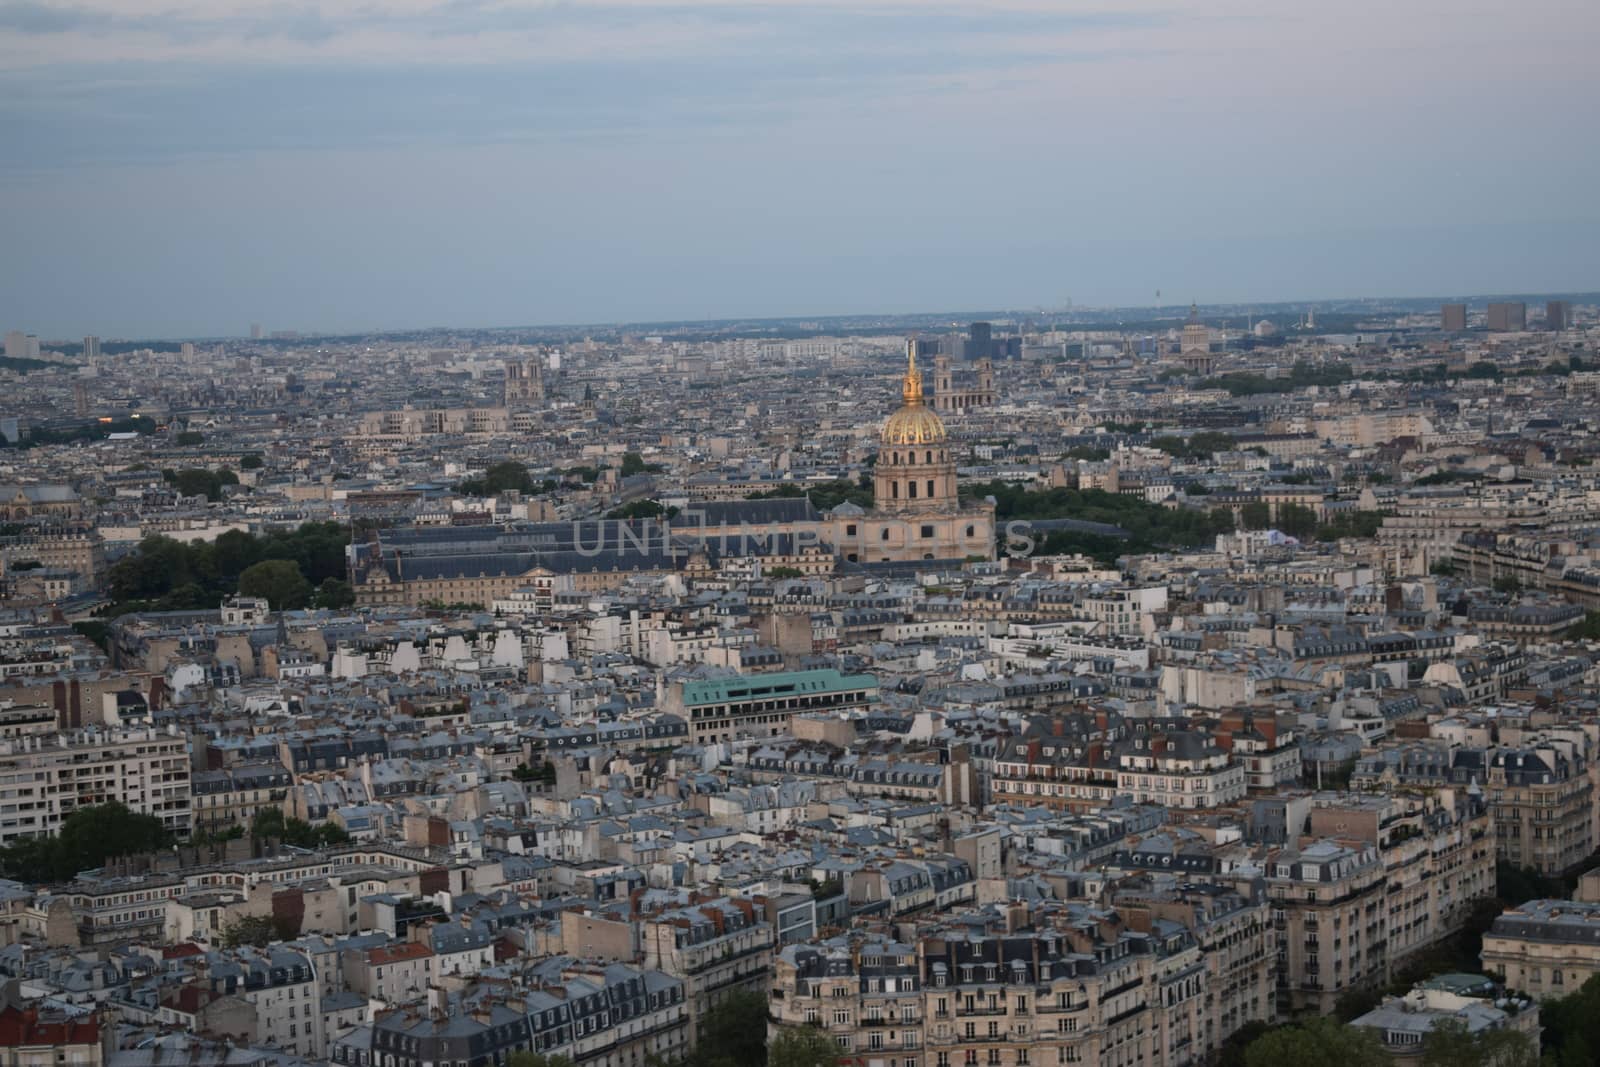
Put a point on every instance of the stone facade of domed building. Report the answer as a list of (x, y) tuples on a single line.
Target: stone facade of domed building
[(916, 513)]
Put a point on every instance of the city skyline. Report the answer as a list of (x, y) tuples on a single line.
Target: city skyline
[(346, 168)]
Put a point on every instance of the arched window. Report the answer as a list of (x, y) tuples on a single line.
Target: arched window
[(930, 457)]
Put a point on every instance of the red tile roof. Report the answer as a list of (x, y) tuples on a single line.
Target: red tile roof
[(20, 1028), (410, 950)]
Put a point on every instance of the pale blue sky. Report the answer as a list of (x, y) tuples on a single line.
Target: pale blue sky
[(186, 167)]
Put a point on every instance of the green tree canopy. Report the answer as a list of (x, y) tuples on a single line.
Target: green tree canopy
[(641, 509), (250, 462), (633, 463), (335, 593), (536, 1059), (272, 823), (1256, 515), (1296, 520), (1449, 1044), (279, 581), (197, 481), (733, 1033), (88, 837), (502, 477), (802, 1046), (1320, 1042)]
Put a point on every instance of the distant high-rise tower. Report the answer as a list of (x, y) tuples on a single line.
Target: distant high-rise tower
[(980, 341), (256, 332), (91, 348), (80, 399), (1557, 315), (16, 345), (1453, 318), (1508, 316)]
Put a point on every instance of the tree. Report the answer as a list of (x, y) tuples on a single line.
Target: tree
[(252, 462), (87, 838), (536, 1059), (733, 1033), (279, 581), (503, 476), (633, 463), (782, 572), (640, 509), (1450, 1044), (197, 481), (257, 930), (1355, 1002), (335, 593), (1321, 1042), (189, 437), (1256, 515), (802, 1046), (1296, 520), (274, 824)]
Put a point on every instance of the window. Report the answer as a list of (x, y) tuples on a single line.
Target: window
[(927, 531), (850, 530), (911, 489), (930, 487)]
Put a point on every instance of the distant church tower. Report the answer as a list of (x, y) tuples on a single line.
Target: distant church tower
[(524, 383)]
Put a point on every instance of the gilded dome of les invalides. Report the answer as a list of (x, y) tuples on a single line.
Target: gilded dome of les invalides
[(915, 423)]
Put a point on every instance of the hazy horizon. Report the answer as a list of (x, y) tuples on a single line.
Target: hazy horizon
[(188, 168)]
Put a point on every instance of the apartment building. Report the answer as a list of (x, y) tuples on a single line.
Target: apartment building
[(1543, 797), (44, 779), (1330, 912), (1179, 769), (1545, 948), (1082, 987), (232, 797), (715, 947)]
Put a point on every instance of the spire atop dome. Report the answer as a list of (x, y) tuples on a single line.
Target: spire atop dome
[(911, 388)]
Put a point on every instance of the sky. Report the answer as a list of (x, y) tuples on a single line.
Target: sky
[(182, 168)]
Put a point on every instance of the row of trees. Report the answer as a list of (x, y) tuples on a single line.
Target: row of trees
[(1300, 521), (509, 475), (1202, 445), (292, 569), (1149, 526), (824, 496)]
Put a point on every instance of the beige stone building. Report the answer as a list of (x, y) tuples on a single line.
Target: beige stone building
[(1543, 797), (1545, 948), (45, 779)]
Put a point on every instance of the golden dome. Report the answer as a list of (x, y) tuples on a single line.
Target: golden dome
[(915, 423)]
